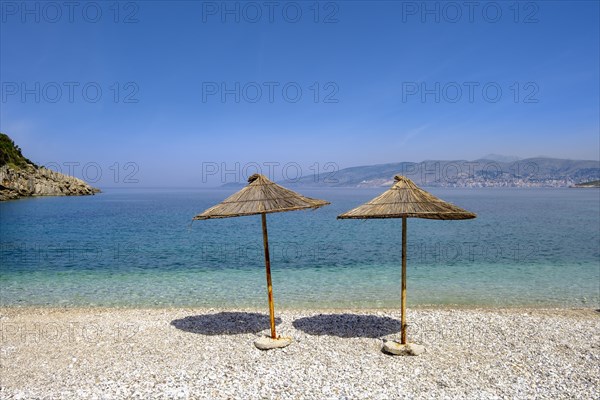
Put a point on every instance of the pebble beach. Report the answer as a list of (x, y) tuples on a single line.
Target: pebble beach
[(112, 353)]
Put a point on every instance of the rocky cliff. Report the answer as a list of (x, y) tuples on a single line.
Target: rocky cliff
[(19, 177)]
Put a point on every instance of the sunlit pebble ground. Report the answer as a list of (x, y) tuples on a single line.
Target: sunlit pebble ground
[(192, 353)]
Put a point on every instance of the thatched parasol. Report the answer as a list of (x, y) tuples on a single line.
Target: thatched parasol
[(261, 196), (406, 200)]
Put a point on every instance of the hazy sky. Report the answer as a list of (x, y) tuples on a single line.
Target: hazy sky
[(156, 92)]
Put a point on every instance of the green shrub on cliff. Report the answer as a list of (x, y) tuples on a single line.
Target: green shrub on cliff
[(10, 153)]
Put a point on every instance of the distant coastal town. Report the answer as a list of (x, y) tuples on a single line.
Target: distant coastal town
[(501, 182)]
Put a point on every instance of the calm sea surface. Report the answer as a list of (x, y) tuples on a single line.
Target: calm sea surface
[(533, 247)]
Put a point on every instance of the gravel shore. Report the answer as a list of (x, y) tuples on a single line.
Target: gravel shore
[(209, 354)]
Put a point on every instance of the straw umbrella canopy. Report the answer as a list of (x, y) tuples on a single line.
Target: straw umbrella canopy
[(261, 196), (406, 200)]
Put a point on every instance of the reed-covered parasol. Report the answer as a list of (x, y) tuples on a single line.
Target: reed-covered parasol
[(406, 200), (262, 196)]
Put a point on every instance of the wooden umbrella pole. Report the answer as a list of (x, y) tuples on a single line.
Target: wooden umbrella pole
[(268, 268), (403, 299)]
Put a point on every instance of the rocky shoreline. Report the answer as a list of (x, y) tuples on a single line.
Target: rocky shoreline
[(30, 181), (56, 353)]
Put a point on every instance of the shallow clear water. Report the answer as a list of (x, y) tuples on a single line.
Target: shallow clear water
[(534, 247)]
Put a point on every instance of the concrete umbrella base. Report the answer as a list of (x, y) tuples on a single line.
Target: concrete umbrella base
[(268, 343), (409, 349)]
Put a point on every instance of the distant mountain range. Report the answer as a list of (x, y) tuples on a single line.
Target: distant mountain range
[(492, 171), (501, 158)]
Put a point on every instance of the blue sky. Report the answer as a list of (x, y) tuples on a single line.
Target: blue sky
[(187, 84)]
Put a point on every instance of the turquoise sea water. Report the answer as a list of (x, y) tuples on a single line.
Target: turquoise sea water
[(531, 247)]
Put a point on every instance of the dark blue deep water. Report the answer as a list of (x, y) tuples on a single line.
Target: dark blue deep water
[(528, 247)]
